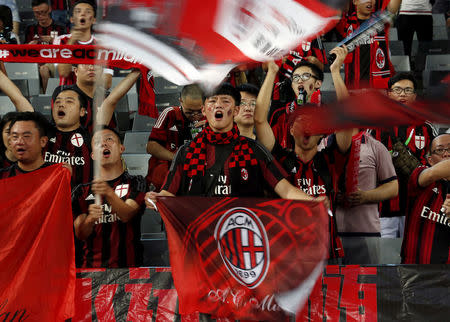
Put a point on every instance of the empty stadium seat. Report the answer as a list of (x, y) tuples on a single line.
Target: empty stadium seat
[(6, 105), (396, 47), (401, 63), (136, 142), (143, 123), (327, 84), (154, 240), (117, 80), (436, 68), (42, 104), (30, 72), (137, 164), (163, 86), (51, 85), (166, 100), (393, 34)]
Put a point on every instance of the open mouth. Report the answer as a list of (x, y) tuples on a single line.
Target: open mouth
[(106, 153), (218, 115), (20, 150), (82, 21), (61, 113)]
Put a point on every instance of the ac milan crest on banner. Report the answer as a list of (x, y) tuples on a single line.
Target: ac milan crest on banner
[(188, 41), (248, 258)]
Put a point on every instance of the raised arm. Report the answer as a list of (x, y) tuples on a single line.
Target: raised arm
[(437, 172), (393, 6), (14, 94), (335, 68), (108, 106), (264, 132)]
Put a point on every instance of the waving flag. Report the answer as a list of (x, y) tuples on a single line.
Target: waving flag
[(37, 256), (244, 258), (188, 41)]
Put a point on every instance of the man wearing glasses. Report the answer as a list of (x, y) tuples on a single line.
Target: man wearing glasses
[(175, 126), (245, 120), (427, 232), (305, 83), (402, 88)]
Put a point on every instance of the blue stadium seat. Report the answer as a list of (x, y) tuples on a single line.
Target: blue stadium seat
[(29, 72)]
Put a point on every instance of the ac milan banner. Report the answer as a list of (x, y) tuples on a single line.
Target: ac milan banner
[(249, 258), (37, 280), (343, 293), (190, 41)]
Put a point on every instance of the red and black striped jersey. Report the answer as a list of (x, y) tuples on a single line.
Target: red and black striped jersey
[(113, 243), (62, 4), (73, 147), (427, 229), (14, 170), (318, 177), (419, 138), (37, 30)]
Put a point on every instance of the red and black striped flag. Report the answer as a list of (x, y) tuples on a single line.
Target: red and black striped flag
[(244, 258)]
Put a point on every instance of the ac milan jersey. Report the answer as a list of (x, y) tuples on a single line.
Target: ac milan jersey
[(318, 177), (37, 30), (113, 243), (427, 229), (73, 147), (219, 179), (14, 170), (419, 143)]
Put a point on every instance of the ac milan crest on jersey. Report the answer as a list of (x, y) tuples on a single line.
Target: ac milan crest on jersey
[(77, 140), (244, 174), (244, 247), (380, 58), (122, 190), (419, 140), (306, 45)]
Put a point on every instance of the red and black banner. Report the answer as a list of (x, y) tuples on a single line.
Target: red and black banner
[(344, 293), (249, 258)]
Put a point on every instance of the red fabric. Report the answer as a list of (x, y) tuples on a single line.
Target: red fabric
[(204, 240), (37, 255), (147, 98)]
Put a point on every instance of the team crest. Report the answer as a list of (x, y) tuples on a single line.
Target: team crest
[(306, 45), (244, 174), (419, 140), (77, 140), (122, 190), (243, 245), (380, 58)]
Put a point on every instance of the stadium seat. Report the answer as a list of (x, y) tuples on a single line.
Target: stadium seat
[(117, 80), (163, 86), (22, 85), (137, 164), (436, 68), (438, 19), (51, 85), (390, 250), (154, 240), (29, 72), (328, 97), (166, 100), (133, 102), (327, 84), (6, 105), (136, 142), (143, 123), (401, 63), (396, 47), (393, 34), (42, 104), (423, 49)]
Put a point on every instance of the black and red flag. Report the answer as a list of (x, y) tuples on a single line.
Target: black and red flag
[(244, 258)]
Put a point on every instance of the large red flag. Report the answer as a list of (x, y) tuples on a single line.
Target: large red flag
[(244, 258), (37, 280), (195, 40)]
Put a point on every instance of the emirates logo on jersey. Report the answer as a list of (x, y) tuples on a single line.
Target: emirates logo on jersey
[(122, 190), (244, 174), (77, 140), (243, 245), (380, 58)]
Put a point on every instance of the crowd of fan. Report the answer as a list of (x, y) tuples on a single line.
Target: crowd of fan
[(241, 140)]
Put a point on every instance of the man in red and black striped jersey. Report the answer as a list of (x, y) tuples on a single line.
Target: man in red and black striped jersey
[(305, 83), (402, 88), (43, 32), (427, 231), (369, 65), (175, 126), (221, 162), (316, 173), (28, 138), (110, 230), (83, 18)]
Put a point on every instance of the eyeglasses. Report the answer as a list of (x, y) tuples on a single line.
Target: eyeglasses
[(441, 151), (188, 113), (251, 103), (304, 77), (399, 90)]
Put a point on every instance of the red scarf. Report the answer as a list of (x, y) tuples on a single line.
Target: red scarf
[(241, 156)]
